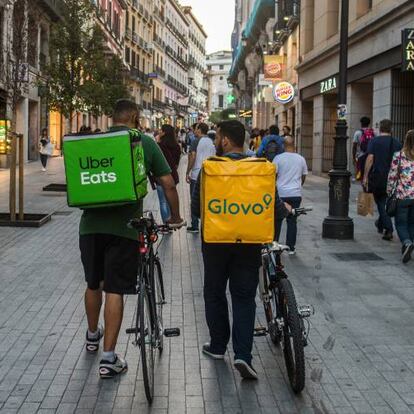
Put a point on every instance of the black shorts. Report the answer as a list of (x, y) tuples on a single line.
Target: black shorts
[(112, 259)]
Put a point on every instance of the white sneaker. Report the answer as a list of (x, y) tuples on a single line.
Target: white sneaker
[(43, 169), (108, 369), (292, 253)]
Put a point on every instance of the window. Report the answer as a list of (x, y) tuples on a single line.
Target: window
[(221, 67), (221, 78), (127, 54), (133, 59), (221, 101)]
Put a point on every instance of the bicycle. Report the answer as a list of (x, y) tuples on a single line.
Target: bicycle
[(148, 327), (285, 319)]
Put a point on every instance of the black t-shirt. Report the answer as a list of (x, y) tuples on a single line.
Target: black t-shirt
[(383, 148)]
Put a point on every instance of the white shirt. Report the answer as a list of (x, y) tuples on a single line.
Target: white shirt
[(205, 149), (290, 169)]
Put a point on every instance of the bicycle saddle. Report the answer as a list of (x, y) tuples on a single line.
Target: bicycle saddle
[(276, 247)]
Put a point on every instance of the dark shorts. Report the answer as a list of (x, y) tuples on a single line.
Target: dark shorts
[(112, 260)]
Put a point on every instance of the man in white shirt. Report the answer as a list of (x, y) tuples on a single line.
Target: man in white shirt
[(291, 174), (205, 148)]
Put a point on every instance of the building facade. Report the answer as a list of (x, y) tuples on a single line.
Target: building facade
[(197, 97), (377, 86), (176, 68), (219, 92)]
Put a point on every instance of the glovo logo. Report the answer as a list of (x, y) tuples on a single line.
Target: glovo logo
[(217, 206)]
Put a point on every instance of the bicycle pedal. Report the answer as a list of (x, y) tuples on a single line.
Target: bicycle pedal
[(132, 331), (261, 331), (171, 332)]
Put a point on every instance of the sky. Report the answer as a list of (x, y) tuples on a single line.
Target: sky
[(217, 18)]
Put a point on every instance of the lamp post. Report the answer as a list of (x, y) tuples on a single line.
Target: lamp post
[(338, 225)]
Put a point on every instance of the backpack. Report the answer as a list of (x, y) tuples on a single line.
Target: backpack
[(367, 135), (271, 150), (238, 200), (105, 169)]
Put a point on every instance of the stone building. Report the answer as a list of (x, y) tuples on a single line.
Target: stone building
[(377, 86)]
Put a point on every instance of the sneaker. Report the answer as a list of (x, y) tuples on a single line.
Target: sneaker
[(192, 230), (92, 345), (246, 370), (43, 169), (292, 252), (206, 351), (387, 236), (108, 369), (407, 249)]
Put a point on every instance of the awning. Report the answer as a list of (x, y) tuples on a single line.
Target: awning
[(263, 10)]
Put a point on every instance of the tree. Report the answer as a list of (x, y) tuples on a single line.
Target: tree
[(80, 77)]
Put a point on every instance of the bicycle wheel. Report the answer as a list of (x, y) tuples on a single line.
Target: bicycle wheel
[(146, 341), (292, 337), (269, 305), (159, 301)]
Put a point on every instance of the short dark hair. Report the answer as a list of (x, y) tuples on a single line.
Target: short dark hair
[(287, 127), (123, 110), (365, 121), (234, 131), (386, 126), (274, 130), (194, 126), (203, 128)]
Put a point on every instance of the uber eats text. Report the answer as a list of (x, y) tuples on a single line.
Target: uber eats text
[(90, 163)]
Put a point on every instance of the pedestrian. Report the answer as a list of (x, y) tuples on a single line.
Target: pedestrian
[(286, 132), (183, 140), (172, 153), (110, 250), (237, 264), (271, 145), (84, 129), (401, 181), (377, 166), (255, 139), (291, 175), (362, 137), (201, 149), (45, 149), (212, 134)]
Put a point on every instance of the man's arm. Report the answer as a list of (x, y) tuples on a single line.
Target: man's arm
[(196, 198), (262, 147), (354, 152), (303, 179), (368, 165), (190, 165), (171, 194)]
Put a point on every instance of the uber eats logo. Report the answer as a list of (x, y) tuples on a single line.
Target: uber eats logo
[(217, 206), (90, 163)]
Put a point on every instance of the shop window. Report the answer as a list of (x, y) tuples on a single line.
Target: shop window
[(363, 7)]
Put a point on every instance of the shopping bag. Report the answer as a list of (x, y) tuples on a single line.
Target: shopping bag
[(238, 200), (365, 204)]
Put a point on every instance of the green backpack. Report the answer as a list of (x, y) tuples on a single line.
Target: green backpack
[(106, 169)]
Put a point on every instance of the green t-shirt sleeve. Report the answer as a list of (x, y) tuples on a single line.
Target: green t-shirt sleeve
[(155, 162)]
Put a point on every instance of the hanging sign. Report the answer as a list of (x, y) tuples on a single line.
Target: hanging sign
[(273, 68), (283, 92), (408, 50)]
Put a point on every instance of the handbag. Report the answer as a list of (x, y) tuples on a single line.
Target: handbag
[(391, 203)]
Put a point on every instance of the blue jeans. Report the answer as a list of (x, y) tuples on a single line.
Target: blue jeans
[(384, 220), (164, 206), (291, 221), (404, 221), (194, 219)]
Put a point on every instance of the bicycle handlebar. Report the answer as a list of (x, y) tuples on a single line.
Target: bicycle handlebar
[(302, 211)]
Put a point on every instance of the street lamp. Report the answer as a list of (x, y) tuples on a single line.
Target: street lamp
[(338, 225)]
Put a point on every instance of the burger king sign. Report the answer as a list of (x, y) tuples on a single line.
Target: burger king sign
[(283, 92)]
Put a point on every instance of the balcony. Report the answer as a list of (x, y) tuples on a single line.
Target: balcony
[(54, 8), (139, 76), (128, 34), (159, 41), (135, 38), (159, 71), (179, 59), (158, 104)]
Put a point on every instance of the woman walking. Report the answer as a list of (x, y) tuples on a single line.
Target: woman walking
[(401, 183), (44, 148), (172, 152)]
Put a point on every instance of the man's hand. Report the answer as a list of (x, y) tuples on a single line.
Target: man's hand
[(288, 207), (365, 182), (187, 178)]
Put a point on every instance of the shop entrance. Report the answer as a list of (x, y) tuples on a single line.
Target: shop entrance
[(402, 108), (329, 123), (306, 141)]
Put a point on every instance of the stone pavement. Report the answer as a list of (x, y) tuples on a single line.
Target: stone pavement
[(361, 353)]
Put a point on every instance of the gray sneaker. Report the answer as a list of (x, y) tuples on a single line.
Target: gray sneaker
[(246, 370), (108, 369)]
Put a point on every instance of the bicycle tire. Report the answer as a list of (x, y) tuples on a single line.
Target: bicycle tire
[(159, 301), (293, 349), (146, 328)]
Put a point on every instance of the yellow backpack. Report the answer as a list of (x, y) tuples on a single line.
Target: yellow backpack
[(238, 200)]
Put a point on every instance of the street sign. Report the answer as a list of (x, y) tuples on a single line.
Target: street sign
[(408, 50)]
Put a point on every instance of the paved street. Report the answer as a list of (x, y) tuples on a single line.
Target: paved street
[(361, 353)]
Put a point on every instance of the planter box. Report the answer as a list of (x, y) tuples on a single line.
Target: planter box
[(30, 220)]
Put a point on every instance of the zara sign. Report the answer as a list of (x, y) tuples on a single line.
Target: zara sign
[(408, 50)]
